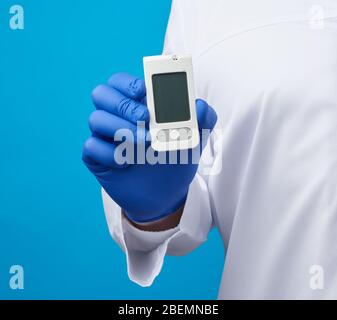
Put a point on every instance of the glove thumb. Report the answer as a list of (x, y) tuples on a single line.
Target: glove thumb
[(206, 115)]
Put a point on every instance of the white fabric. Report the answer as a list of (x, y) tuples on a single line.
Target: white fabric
[(269, 68)]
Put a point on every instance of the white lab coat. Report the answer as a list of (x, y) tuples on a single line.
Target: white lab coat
[(269, 68)]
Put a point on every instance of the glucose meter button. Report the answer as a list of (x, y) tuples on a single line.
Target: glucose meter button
[(174, 134), (185, 133), (161, 136)]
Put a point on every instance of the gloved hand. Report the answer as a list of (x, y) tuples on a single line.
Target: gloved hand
[(145, 191)]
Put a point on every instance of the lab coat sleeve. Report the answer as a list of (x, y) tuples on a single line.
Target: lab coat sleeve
[(145, 251)]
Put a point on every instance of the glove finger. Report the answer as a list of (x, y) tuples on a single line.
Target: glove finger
[(98, 151), (130, 86), (206, 115), (207, 119), (112, 101), (107, 125)]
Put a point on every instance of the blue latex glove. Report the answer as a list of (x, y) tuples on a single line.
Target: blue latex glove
[(146, 192)]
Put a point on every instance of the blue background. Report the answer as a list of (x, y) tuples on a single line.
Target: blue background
[(51, 217)]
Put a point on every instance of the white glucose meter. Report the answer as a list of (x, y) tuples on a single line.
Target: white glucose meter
[(171, 102)]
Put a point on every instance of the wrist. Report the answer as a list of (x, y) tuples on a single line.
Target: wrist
[(157, 210), (166, 222)]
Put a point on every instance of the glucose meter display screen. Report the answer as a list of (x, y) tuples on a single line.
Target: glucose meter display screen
[(171, 100)]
